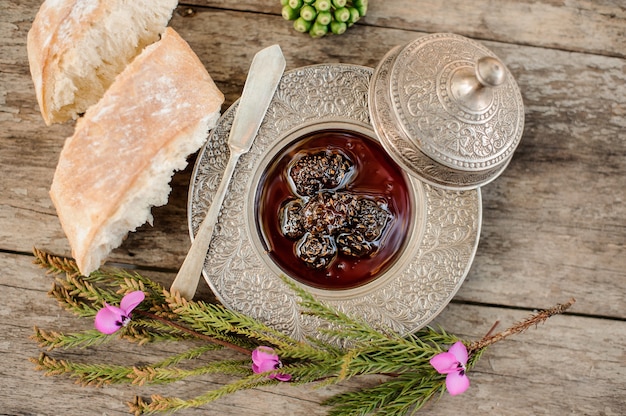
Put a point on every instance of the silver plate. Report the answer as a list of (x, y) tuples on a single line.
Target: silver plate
[(435, 259)]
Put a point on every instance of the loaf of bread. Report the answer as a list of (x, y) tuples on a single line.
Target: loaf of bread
[(77, 47), (125, 149)]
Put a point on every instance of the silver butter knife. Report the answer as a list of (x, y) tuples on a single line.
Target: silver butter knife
[(265, 73)]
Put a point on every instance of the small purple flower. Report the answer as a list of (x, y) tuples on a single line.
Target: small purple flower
[(453, 363), (264, 359), (111, 318)]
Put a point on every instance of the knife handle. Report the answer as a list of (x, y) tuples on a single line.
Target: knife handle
[(186, 281)]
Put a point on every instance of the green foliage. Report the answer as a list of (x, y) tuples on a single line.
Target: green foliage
[(163, 316), (52, 339), (401, 395), (409, 381), (85, 374)]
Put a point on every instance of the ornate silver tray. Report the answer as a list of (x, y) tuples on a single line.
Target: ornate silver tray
[(434, 261)]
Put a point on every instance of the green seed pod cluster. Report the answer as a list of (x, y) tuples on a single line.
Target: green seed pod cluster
[(321, 17)]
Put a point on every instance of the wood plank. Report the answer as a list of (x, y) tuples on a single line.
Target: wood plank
[(597, 26), (553, 221), (570, 365)]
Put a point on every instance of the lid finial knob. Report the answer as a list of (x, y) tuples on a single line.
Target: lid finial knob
[(490, 71), (472, 88)]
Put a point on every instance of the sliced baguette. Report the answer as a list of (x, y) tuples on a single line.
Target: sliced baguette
[(77, 47), (124, 151)]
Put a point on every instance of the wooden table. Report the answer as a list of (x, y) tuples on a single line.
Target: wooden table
[(554, 224)]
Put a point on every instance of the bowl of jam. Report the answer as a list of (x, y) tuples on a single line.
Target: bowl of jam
[(333, 209), (319, 200)]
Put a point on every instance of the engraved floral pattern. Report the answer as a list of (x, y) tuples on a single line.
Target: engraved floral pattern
[(407, 149), (472, 139)]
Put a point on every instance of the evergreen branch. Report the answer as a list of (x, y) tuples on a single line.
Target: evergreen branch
[(225, 341), (71, 303), (160, 403), (309, 353), (147, 331), (216, 320), (166, 316), (349, 328), (163, 375), (161, 325), (98, 287), (323, 373), (78, 287), (54, 264), (81, 295), (431, 336), (395, 397), (131, 281), (52, 339), (187, 355), (391, 355), (388, 360), (85, 374)]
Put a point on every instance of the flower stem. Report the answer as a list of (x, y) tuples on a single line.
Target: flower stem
[(493, 328), (533, 320), (194, 333)]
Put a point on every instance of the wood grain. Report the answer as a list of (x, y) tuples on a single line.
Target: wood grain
[(597, 27), (553, 224)]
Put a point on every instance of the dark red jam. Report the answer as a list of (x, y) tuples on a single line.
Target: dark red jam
[(333, 209)]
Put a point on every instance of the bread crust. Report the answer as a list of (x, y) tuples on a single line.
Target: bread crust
[(74, 58), (125, 149)]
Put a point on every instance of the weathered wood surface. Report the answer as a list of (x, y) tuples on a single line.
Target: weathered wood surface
[(570, 365), (597, 26), (553, 223)]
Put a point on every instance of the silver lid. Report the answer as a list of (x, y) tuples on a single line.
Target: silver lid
[(447, 110)]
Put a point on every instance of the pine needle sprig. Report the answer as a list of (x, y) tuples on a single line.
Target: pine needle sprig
[(373, 351), (127, 281), (54, 264), (411, 351), (68, 300), (163, 375), (216, 320), (52, 340), (342, 326), (146, 331), (83, 295), (307, 352), (160, 403), (407, 392), (190, 354), (430, 335), (84, 374), (113, 277), (385, 359)]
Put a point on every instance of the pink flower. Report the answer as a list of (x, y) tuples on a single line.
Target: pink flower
[(264, 359), (453, 364), (111, 318)]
